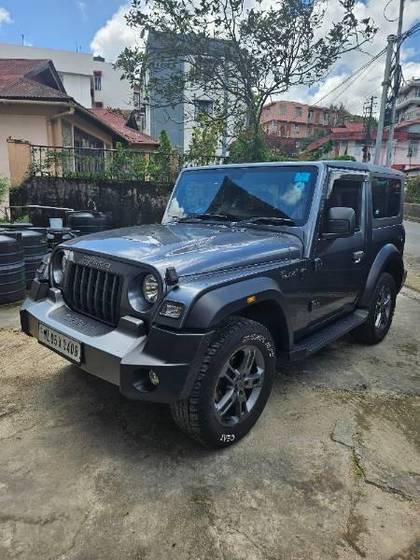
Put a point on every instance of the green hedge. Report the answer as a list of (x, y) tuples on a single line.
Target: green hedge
[(413, 190)]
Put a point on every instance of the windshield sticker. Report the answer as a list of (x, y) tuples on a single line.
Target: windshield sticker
[(302, 177)]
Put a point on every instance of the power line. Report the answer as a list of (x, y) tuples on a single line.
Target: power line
[(356, 74)]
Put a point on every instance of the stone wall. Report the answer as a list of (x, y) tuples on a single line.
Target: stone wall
[(126, 203), (412, 210)]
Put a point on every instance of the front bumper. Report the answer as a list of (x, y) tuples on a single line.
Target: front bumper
[(123, 355)]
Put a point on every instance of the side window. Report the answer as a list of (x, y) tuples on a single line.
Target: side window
[(386, 197), (347, 193)]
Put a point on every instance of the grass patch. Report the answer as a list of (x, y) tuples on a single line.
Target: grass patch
[(357, 467)]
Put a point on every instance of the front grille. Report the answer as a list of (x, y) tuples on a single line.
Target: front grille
[(93, 292)]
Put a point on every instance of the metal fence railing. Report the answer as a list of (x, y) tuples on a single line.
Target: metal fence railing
[(119, 163)]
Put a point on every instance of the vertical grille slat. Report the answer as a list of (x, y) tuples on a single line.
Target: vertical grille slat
[(112, 298), (93, 292), (96, 305)]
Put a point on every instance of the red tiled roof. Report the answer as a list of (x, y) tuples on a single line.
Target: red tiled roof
[(17, 80), (117, 122), (317, 143), (24, 88)]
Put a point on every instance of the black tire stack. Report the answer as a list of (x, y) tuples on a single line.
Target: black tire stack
[(34, 246), (87, 222), (12, 270)]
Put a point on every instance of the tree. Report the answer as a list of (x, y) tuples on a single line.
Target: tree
[(205, 140), (249, 53)]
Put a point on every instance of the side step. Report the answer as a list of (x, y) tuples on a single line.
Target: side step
[(328, 334)]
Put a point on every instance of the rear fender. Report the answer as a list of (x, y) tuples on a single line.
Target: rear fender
[(389, 259)]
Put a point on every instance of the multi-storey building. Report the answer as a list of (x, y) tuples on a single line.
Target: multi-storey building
[(90, 80), (408, 102), (178, 115), (290, 119)]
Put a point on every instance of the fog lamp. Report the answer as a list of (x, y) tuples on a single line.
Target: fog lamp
[(154, 379), (171, 309)]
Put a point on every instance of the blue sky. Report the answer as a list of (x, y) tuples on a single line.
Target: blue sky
[(60, 24)]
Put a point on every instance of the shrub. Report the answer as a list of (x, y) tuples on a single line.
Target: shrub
[(413, 190)]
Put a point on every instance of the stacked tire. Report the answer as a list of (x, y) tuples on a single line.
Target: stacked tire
[(87, 222), (34, 246), (12, 270)]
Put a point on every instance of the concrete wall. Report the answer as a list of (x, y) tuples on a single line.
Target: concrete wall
[(115, 92), (78, 86), (22, 123), (127, 203)]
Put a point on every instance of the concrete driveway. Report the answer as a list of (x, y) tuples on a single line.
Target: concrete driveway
[(331, 470)]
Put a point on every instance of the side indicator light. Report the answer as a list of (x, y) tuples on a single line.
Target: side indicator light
[(251, 299)]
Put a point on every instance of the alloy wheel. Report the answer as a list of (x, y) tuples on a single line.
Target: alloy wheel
[(383, 307), (239, 385)]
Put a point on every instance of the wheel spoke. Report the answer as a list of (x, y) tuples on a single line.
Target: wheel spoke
[(248, 361), (231, 374), (240, 405), (226, 402), (253, 381)]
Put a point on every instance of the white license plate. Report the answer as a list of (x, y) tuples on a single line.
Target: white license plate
[(62, 344)]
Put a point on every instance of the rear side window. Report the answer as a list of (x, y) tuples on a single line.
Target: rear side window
[(386, 197)]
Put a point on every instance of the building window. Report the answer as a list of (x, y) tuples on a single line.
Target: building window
[(298, 111), (202, 107), (99, 104), (136, 99), (297, 128), (386, 197), (97, 76), (413, 147)]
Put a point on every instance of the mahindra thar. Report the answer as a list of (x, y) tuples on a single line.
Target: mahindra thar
[(252, 265)]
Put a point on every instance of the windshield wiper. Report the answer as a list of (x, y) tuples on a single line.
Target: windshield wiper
[(207, 216), (268, 220)]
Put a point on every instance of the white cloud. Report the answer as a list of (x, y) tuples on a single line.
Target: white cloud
[(369, 83), (114, 36), (111, 39), (82, 7), (5, 16)]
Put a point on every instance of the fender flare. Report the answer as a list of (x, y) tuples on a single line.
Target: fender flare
[(387, 255), (211, 308)]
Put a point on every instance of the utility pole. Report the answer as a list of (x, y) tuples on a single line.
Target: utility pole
[(385, 86), (397, 77), (367, 116)]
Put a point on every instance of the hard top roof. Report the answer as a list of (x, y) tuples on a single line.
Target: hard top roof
[(338, 164)]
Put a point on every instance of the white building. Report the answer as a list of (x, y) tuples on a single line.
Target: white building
[(89, 80), (408, 102)]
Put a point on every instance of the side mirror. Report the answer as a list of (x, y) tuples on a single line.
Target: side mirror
[(341, 222)]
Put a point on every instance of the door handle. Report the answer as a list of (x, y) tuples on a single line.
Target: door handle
[(358, 256)]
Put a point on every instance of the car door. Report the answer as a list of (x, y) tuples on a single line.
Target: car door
[(340, 265)]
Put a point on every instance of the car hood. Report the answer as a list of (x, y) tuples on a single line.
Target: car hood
[(191, 248)]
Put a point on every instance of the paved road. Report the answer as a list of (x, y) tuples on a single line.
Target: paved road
[(412, 242)]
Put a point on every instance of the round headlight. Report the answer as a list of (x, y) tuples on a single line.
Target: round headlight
[(58, 268), (150, 288)]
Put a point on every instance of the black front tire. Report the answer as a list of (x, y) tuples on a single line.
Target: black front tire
[(200, 416), (374, 329)]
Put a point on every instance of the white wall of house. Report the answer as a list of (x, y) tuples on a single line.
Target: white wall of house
[(76, 71), (115, 92)]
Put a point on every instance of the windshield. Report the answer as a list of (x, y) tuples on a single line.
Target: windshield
[(239, 193)]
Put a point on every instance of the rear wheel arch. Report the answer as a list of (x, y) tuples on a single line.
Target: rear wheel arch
[(388, 259)]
